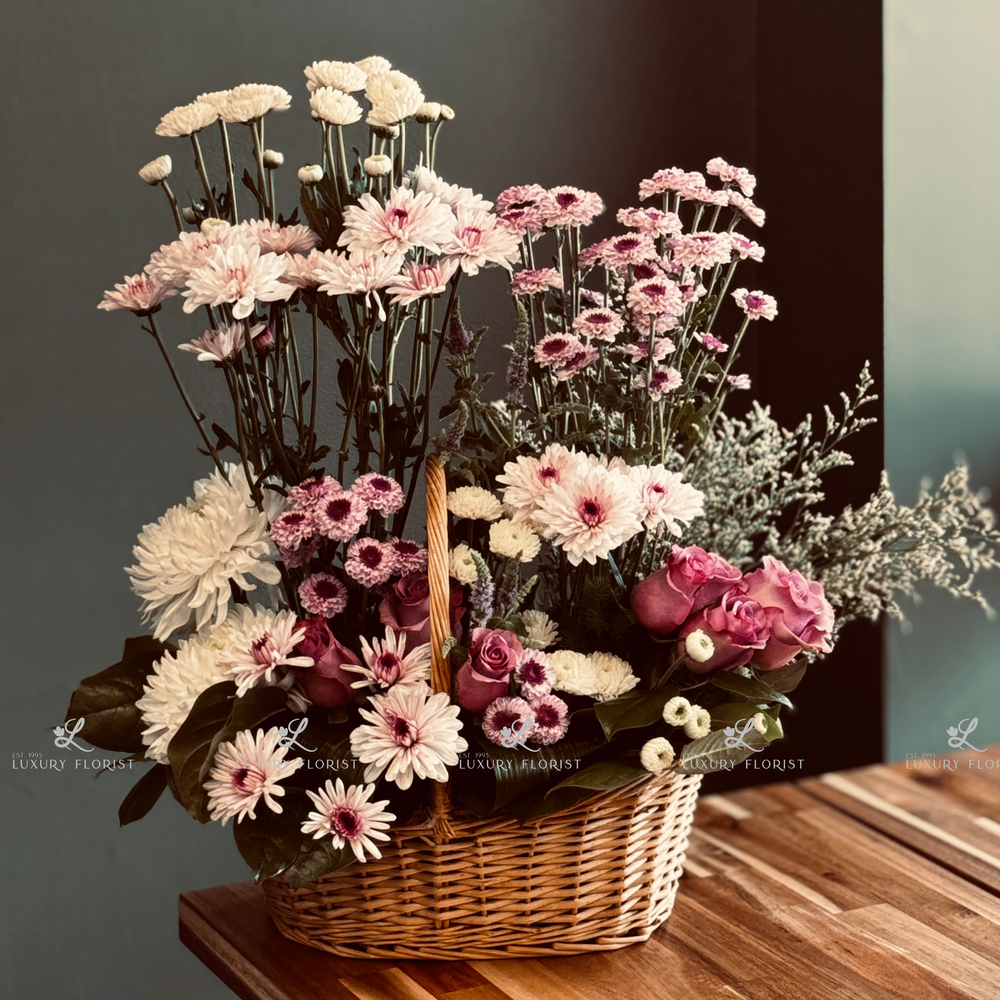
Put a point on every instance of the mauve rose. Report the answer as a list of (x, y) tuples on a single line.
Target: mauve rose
[(484, 675), (799, 614), (690, 580), (325, 683), (736, 625), (406, 609)]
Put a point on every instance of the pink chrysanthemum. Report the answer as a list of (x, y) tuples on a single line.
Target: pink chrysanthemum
[(551, 719), (666, 498), (535, 673), (520, 196), (407, 220), (746, 208), (410, 556), (140, 294), (523, 221), (363, 272), (299, 558), (346, 815), (300, 270), (701, 249), (340, 515), (692, 292), (264, 641), (218, 345), (310, 492), (589, 256), (370, 561), (575, 363), (746, 248), (556, 349), (291, 528), (528, 478), (174, 262), (632, 248), (671, 179), (711, 343), (729, 174), (533, 282), (381, 493), (639, 351), (323, 594), (648, 269), (664, 380), (478, 240), (239, 276), (506, 718), (274, 238), (655, 297), (569, 206), (704, 194), (417, 281), (734, 381), (599, 324), (388, 664), (756, 305), (651, 221)]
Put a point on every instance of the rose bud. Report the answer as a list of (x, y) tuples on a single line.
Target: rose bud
[(797, 611), (736, 626), (484, 676), (690, 580), (325, 683), (406, 609)]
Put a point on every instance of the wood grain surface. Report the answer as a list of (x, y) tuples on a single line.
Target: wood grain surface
[(866, 885)]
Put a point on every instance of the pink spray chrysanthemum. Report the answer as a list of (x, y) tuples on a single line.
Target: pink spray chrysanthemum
[(647, 269), (523, 221), (291, 528), (323, 594), (576, 363), (381, 493), (655, 297), (599, 324), (360, 273), (370, 561), (174, 262), (589, 256), (411, 557), (632, 248), (479, 240), (300, 269), (533, 282), (729, 174), (340, 515), (266, 641), (746, 208), (310, 492), (692, 292), (670, 179), (387, 662), (746, 248), (570, 206), (664, 380), (733, 381), (274, 238), (639, 351), (346, 815), (239, 276), (406, 221), (756, 305), (528, 478), (556, 349), (535, 673), (551, 719), (507, 717), (701, 249), (520, 196), (417, 281), (651, 221), (221, 344), (140, 294), (705, 195), (711, 343), (666, 498)]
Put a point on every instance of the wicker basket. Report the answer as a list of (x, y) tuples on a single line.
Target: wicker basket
[(598, 876)]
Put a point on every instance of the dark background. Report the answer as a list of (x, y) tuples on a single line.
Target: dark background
[(95, 443)]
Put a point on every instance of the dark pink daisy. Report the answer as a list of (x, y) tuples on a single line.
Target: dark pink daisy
[(550, 719), (381, 493), (370, 561), (323, 594)]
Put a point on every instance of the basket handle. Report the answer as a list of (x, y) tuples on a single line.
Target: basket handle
[(439, 606)]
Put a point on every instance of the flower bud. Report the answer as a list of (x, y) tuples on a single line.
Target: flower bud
[(385, 131), (699, 646), (262, 340), (156, 171), (311, 173), (429, 111), (273, 159), (207, 225), (446, 113), (189, 215), (378, 165)]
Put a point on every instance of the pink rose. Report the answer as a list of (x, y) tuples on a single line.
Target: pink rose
[(406, 609), (325, 683), (484, 675), (690, 580), (797, 611), (736, 625)]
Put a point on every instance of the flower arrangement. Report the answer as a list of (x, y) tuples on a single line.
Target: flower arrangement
[(637, 578)]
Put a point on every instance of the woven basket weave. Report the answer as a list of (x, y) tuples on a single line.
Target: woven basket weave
[(598, 876)]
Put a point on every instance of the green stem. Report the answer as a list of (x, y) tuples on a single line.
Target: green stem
[(199, 162), (173, 206), (228, 157)]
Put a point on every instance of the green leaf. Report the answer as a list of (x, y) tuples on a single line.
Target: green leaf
[(787, 678), (318, 859), (106, 701), (144, 794), (710, 753), (634, 710), (602, 776), (540, 803), (749, 688), (272, 841)]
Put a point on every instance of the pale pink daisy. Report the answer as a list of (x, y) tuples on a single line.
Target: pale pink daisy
[(140, 294), (417, 281), (664, 380), (746, 208), (746, 248), (756, 305), (387, 663), (407, 220), (711, 343), (533, 282), (529, 478), (704, 194), (218, 345), (666, 498), (409, 732), (671, 179), (362, 272), (639, 351), (381, 493), (239, 276), (505, 718), (264, 641), (370, 561), (589, 256), (274, 238), (599, 324), (655, 297), (556, 349), (411, 557), (701, 249), (651, 221), (535, 673), (478, 240), (729, 174), (569, 206), (308, 494), (575, 363), (551, 719), (323, 594), (291, 528), (521, 196), (592, 512), (173, 262), (339, 515), (523, 221), (246, 771), (346, 816), (632, 248)]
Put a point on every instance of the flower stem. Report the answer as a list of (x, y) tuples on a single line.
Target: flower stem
[(228, 156), (199, 162), (173, 206)]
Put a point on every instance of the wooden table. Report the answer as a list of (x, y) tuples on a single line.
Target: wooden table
[(876, 884)]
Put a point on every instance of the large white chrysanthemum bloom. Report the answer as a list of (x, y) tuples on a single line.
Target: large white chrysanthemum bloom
[(187, 559), (666, 498), (394, 97), (422, 178), (334, 106), (346, 815), (514, 540), (263, 641), (600, 675), (347, 77), (540, 631), (187, 119), (250, 101)]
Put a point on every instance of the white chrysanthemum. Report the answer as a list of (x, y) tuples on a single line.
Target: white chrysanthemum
[(273, 159), (514, 540), (378, 165), (250, 101), (187, 119), (480, 240), (699, 722), (157, 170), (422, 178), (394, 97), (217, 98), (540, 631), (429, 111), (347, 77), (409, 733), (388, 664), (593, 512), (461, 565), (246, 771), (575, 673), (657, 755), (239, 275), (699, 646), (666, 498), (174, 262), (176, 681), (311, 173), (186, 561), (346, 815), (263, 640), (374, 64), (474, 503), (760, 723), (614, 676), (677, 711), (335, 107), (447, 113)]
